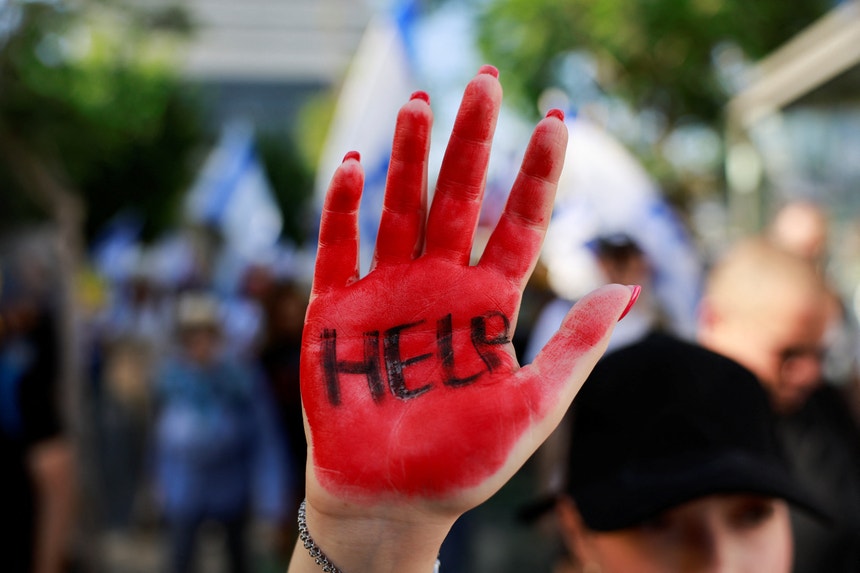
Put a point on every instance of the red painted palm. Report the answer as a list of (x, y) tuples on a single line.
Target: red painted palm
[(411, 389)]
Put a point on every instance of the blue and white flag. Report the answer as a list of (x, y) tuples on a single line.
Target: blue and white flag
[(379, 81), (233, 194), (117, 248)]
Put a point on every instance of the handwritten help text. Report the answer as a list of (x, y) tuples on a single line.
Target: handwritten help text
[(385, 367)]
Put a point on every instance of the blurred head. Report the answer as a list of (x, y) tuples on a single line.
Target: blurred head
[(198, 325), (674, 466), (767, 309), (284, 309), (257, 281), (801, 227), (621, 260), (25, 289)]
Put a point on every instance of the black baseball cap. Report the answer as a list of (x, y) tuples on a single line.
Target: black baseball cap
[(663, 422)]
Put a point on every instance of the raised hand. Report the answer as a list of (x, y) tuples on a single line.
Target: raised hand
[(415, 405)]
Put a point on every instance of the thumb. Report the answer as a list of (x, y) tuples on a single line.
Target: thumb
[(562, 366)]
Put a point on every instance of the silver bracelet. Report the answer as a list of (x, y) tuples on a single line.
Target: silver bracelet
[(315, 552), (313, 549)]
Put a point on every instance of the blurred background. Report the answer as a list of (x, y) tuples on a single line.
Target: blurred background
[(161, 169)]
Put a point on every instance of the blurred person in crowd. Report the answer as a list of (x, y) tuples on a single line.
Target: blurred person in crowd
[(129, 336), (284, 311), (768, 309), (674, 465), (219, 451), (38, 470), (139, 307), (802, 227), (243, 309), (619, 260)]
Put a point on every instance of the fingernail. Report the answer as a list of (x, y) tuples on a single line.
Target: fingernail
[(422, 95), (634, 295), (555, 113), (352, 155), (488, 69)]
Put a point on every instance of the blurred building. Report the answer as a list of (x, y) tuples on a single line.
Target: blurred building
[(794, 133), (262, 59)]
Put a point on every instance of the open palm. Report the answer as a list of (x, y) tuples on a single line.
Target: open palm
[(411, 389)]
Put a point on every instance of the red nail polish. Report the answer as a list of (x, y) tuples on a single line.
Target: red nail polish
[(352, 155), (488, 69), (555, 113), (420, 94), (633, 297)]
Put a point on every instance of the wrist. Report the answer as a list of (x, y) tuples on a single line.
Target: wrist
[(400, 540)]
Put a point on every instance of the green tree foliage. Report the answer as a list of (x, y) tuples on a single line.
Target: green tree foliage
[(657, 54), (91, 112), (662, 57)]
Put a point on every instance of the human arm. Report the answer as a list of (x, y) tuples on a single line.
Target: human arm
[(47, 448), (51, 465), (416, 409)]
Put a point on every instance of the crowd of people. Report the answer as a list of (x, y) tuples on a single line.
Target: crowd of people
[(381, 408), (196, 397), (188, 417)]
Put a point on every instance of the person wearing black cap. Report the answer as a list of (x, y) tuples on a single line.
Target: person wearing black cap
[(674, 465)]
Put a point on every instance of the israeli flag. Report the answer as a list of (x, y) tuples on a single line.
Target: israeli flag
[(379, 81), (117, 248), (233, 194)]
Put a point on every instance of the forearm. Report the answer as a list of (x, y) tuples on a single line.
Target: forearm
[(51, 465), (370, 544)]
